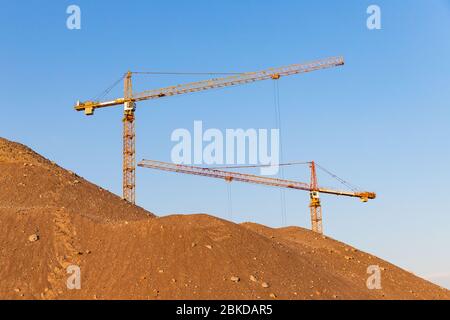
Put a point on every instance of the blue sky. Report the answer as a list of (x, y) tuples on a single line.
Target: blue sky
[(380, 122)]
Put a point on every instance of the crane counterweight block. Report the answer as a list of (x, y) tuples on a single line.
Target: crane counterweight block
[(365, 196)]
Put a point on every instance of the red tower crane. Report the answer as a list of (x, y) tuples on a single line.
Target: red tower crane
[(313, 188)]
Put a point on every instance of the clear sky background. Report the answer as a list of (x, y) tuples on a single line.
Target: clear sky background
[(381, 121)]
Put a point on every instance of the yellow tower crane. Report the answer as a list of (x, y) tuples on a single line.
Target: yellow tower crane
[(130, 98)]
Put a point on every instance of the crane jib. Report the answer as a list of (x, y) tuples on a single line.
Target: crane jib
[(274, 73)]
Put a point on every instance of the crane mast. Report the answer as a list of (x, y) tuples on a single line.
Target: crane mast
[(129, 143), (229, 176), (130, 98), (314, 203)]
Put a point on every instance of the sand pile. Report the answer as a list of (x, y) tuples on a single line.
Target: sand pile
[(51, 218)]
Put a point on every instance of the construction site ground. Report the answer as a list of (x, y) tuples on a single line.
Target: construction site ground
[(52, 218)]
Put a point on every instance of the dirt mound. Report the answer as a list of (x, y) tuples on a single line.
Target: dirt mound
[(125, 252), (30, 182)]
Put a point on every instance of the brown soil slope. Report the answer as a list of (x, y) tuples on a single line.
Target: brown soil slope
[(125, 252)]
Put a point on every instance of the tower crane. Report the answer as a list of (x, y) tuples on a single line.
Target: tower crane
[(313, 188), (130, 98)]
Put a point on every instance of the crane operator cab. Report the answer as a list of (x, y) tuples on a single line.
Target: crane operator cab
[(315, 199)]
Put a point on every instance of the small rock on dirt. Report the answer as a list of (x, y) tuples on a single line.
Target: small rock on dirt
[(33, 238), (235, 279)]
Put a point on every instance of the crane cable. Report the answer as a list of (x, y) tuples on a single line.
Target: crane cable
[(184, 73), (261, 165), (230, 201), (293, 163), (104, 93), (345, 183), (278, 125)]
